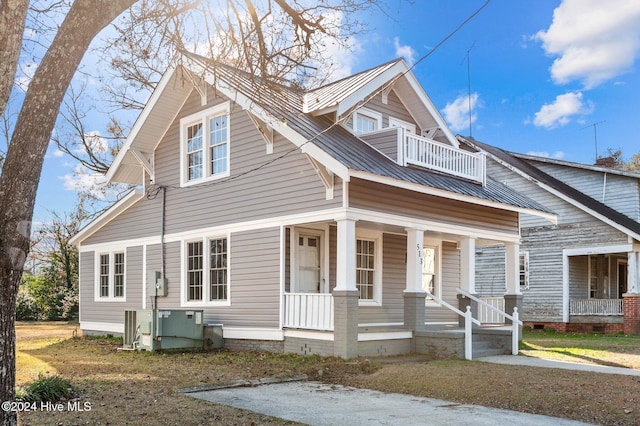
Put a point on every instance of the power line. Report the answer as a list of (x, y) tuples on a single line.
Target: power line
[(356, 107)]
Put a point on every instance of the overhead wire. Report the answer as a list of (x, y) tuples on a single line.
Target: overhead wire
[(338, 121)]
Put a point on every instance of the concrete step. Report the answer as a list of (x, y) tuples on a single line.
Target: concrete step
[(481, 353)]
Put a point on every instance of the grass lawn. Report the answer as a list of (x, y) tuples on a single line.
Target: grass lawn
[(139, 388)]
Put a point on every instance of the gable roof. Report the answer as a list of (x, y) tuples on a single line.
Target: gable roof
[(333, 146), (518, 164)]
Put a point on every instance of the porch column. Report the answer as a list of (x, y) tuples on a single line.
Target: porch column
[(467, 277), (414, 294), (345, 294), (631, 299), (513, 296)]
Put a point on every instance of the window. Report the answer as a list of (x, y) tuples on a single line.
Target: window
[(110, 279), (204, 145), (369, 267), (365, 268), (218, 269), (396, 122), (194, 151), (118, 274), (524, 270), (429, 277), (218, 143), (104, 275), (365, 121), (194, 270), (206, 272)]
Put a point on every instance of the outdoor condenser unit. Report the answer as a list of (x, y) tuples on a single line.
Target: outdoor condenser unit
[(163, 329)]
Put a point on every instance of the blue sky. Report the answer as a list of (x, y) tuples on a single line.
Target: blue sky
[(542, 72)]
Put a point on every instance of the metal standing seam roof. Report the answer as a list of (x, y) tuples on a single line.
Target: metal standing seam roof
[(558, 185), (331, 94), (354, 153)]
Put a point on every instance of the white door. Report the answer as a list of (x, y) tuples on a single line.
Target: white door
[(308, 260)]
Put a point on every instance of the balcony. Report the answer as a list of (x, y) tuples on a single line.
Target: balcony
[(410, 149)]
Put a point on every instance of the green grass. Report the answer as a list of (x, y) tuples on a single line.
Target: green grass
[(602, 349)]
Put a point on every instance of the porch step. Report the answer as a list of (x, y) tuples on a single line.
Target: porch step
[(484, 348), (490, 342)]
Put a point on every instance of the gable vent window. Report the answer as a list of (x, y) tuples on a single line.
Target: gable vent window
[(204, 147)]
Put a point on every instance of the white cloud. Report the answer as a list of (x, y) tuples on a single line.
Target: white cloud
[(25, 74), (96, 143), (559, 112), (84, 181), (557, 155), (57, 153), (457, 112), (405, 51), (593, 40), (337, 59)]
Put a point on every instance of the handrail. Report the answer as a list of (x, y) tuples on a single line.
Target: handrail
[(483, 303), (451, 308)]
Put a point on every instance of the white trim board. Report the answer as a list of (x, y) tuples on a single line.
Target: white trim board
[(108, 327)]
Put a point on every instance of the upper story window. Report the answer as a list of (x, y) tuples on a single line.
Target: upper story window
[(204, 145), (110, 279), (365, 121)]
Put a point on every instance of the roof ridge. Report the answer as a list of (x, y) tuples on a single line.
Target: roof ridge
[(393, 61)]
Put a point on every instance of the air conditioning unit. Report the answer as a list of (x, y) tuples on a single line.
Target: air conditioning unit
[(163, 329)]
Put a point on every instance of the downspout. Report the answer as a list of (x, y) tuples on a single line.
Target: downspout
[(604, 187), (162, 245)]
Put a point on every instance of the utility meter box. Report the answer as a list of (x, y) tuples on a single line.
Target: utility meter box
[(156, 285), (163, 329)]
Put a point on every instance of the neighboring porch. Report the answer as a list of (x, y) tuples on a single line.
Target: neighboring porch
[(597, 281), (362, 288)]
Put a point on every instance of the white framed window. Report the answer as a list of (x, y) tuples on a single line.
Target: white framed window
[(431, 266), (396, 122), (369, 267), (206, 272), (524, 270), (366, 120), (110, 277), (204, 145)]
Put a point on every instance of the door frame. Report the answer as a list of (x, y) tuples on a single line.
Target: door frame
[(321, 231)]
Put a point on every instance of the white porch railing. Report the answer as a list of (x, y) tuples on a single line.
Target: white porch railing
[(310, 311), (444, 158), (515, 320), (489, 316), (595, 307), (469, 320)]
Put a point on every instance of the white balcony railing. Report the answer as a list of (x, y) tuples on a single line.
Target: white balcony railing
[(595, 307), (487, 315), (434, 155), (310, 311)]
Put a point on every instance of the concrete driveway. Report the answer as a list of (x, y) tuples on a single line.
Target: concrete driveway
[(316, 403)]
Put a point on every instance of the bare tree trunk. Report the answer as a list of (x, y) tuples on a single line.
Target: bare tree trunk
[(23, 164), (12, 18)]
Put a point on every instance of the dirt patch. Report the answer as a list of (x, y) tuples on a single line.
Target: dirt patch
[(140, 388)]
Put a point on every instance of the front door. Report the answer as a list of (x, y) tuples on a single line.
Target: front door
[(622, 278), (308, 253)]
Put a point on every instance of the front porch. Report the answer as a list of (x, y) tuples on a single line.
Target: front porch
[(309, 329)]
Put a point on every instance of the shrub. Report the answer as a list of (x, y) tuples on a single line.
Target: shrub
[(46, 389)]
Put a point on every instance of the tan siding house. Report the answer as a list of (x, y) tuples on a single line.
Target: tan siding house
[(342, 221)]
